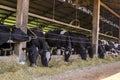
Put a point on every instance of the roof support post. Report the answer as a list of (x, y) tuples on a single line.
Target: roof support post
[(21, 22), (95, 31), (119, 32)]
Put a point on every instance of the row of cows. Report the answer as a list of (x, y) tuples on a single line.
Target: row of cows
[(62, 41)]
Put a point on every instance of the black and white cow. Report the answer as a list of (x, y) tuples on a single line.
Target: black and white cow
[(8, 34), (117, 47), (107, 47), (60, 39), (70, 40), (8, 37), (38, 46), (113, 48), (82, 45)]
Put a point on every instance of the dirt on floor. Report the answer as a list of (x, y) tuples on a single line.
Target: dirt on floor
[(87, 73)]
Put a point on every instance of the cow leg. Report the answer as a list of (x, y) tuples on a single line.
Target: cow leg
[(63, 52), (51, 50), (43, 60), (58, 50), (67, 55), (33, 53), (90, 52), (32, 59), (83, 53), (101, 51), (68, 51)]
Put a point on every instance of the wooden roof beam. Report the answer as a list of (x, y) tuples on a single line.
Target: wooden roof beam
[(7, 8), (48, 11), (44, 18), (109, 9), (59, 22)]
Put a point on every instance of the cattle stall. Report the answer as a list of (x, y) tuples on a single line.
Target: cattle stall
[(96, 19)]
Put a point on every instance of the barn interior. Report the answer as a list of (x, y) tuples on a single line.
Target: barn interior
[(66, 12), (47, 15), (74, 16)]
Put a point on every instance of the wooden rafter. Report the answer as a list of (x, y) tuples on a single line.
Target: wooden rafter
[(109, 9), (51, 20), (48, 11)]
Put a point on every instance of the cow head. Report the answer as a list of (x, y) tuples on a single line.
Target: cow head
[(101, 49)]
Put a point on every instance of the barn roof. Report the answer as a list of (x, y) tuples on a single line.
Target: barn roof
[(64, 12), (113, 4)]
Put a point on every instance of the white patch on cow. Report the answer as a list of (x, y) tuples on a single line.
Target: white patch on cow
[(63, 52), (104, 42), (10, 41), (72, 49), (114, 52), (67, 52), (44, 32), (116, 45), (58, 51), (107, 52), (63, 32), (51, 51), (22, 63), (48, 56), (37, 48)]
